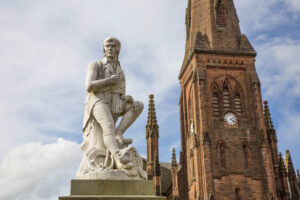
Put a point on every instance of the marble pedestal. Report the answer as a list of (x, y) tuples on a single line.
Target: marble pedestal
[(112, 190)]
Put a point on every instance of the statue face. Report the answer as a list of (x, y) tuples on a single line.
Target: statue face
[(110, 49)]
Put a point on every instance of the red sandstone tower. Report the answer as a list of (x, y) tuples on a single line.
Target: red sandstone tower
[(152, 135), (228, 151)]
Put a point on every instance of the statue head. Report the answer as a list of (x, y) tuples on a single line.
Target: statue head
[(111, 47)]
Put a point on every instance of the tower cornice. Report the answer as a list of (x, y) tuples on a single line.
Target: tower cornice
[(213, 52)]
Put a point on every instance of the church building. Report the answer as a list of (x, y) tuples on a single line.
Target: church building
[(228, 141)]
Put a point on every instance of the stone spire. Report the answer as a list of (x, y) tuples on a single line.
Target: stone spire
[(152, 136), (174, 171), (151, 127), (292, 178), (213, 25), (174, 161), (289, 163)]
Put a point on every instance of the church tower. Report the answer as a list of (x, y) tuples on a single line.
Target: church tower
[(224, 138)]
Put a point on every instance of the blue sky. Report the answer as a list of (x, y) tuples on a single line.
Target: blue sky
[(47, 45)]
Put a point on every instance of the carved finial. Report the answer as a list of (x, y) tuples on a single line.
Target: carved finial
[(269, 123), (151, 127), (287, 158), (268, 119), (174, 161), (156, 167), (281, 164), (289, 163)]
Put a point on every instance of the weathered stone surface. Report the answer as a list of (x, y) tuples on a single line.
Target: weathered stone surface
[(105, 150), (111, 189), (107, 175), (221, 158)]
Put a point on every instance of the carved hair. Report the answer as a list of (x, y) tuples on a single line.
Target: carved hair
[(112, 39)]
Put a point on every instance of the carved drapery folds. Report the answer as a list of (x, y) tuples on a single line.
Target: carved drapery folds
[(228, 98)]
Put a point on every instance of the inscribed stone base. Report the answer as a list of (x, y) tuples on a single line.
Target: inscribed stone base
[(112, 190), (107, 175)]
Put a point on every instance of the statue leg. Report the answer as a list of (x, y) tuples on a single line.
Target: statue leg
[(103, 116), (131, 114)]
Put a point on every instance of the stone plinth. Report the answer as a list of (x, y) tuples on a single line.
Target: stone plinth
[(112, 189)]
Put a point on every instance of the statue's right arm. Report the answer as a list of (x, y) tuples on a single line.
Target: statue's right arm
[(92, 84)]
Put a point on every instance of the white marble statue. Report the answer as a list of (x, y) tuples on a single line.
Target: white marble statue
[(106, 154)]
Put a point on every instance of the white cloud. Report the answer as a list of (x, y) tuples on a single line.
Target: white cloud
[(257, 15), (279, 66), (293, 5), (45, 49), (39, 172), (279, 71)]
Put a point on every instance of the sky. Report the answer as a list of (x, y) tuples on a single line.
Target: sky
[(47, 45)]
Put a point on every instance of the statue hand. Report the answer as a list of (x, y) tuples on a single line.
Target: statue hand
[(115, 79), (127, 98)]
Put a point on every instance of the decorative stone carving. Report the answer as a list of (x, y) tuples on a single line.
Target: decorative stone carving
[(106, 154)]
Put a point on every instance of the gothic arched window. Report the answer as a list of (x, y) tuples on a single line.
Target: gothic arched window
[(221, 149), (215, 102), (226, 97), (192, 166), (246, 156), (237, 194), (191, 103), (237, 102)]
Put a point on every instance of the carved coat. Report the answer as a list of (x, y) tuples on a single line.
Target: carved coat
[(93, 144), (110, 94)]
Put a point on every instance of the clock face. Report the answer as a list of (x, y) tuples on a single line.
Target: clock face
[(230, 119), (192, 127)]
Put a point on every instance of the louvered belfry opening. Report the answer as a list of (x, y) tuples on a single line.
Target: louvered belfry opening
[(226, 97), (237, 102), (215, 103), (220, 19)]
